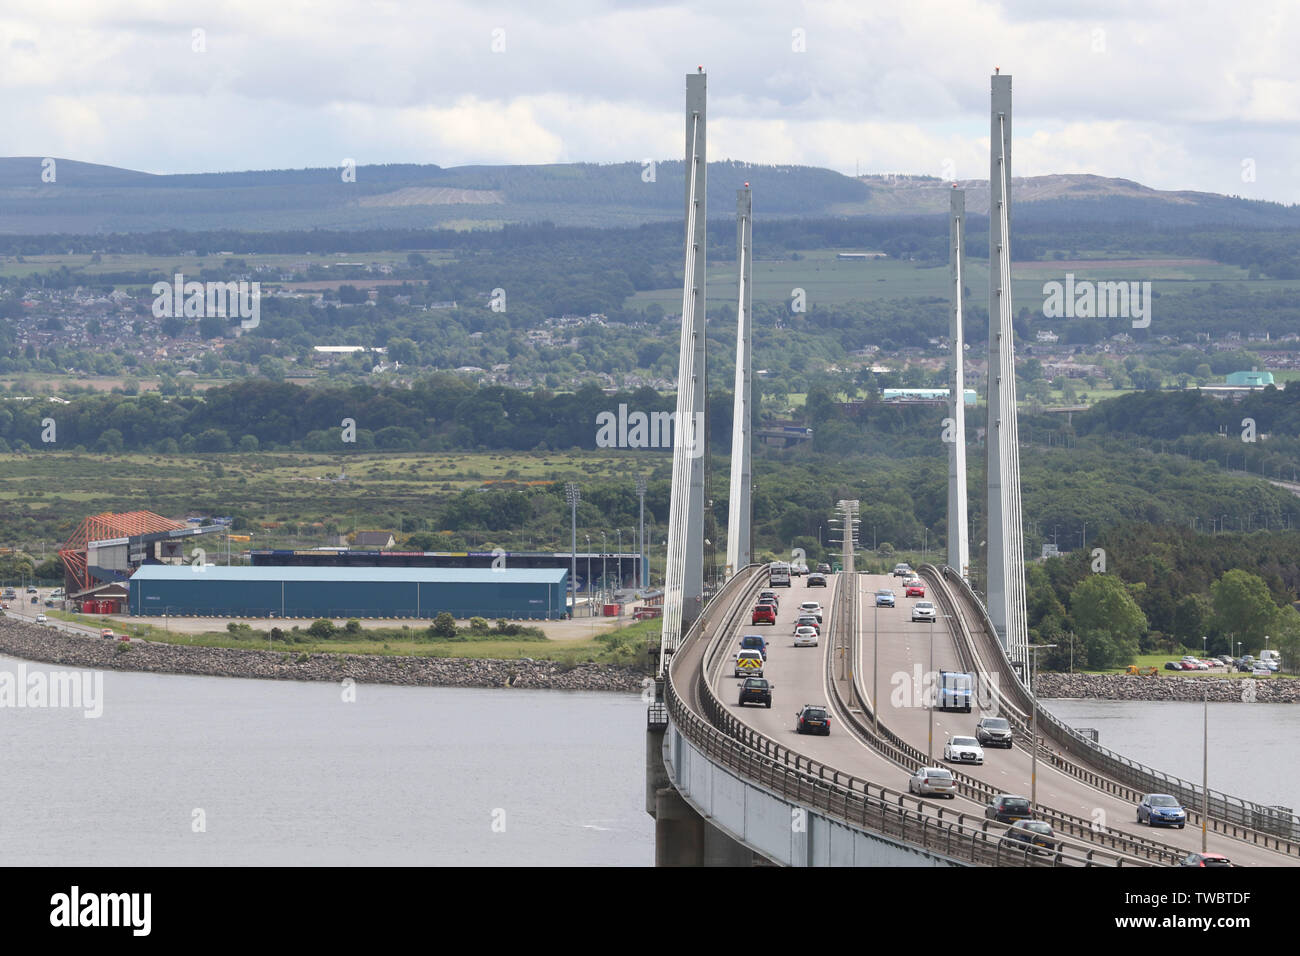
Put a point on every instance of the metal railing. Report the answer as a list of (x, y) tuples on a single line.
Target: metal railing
[(1259, 824), (728, 742)]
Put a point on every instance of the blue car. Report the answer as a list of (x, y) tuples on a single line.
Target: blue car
[(884, 598), (1160, 809), (754, 642)]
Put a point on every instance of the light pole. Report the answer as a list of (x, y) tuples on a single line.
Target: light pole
[(641, 541), (1033, 727), (604, 578), (589, 595), (571, 495), (619, 573), (875, 671), (929, 747), (1205, 753)]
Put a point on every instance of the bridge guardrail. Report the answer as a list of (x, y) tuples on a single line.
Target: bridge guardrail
[(1259, 824), (911, 758), (721, 737)]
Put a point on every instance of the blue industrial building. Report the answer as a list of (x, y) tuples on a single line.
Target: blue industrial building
[(215, 591)]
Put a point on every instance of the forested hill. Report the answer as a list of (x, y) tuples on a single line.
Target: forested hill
[(41, 197)]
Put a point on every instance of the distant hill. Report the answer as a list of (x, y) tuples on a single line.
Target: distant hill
[(86, 198)]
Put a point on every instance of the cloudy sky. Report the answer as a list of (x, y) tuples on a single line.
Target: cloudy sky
[(1176, 94)]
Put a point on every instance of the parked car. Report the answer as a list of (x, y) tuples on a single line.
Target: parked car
[(924, 611), (1160, 809), (1173, 665), (1008, 808), (884, 598), (1036, 833), (763, 614), (813, 719), (932, 781), (754, 642), (748, 664), (994, 732), (1206, 859), (915, 589), (106, 632), (817, 580), (805, 637), (963, 750), (40, 618), (813, 608), (31, 589), (902, 570), (755, 690)]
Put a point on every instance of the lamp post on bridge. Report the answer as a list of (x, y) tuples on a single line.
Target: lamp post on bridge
[(1205, 748), (571, 494), (1033, 726)]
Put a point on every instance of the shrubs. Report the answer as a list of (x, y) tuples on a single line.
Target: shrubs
[(322, 629)]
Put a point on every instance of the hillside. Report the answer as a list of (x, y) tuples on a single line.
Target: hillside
[(88, 198)]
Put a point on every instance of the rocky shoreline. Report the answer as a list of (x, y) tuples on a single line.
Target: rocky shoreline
[(48, 645), (1126, 687)]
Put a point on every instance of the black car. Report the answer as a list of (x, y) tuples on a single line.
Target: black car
[(823, 568), (1173, 665), (813, 719), (817, 580), (993, 732), (1007, 808), (756, 690)]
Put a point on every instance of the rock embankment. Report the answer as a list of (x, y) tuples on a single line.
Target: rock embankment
[(34, 643), (1271, 690)]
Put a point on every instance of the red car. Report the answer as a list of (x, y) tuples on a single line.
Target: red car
[(915, 590), (764, 614)]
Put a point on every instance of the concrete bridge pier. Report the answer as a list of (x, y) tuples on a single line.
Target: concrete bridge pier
[(682, 836)]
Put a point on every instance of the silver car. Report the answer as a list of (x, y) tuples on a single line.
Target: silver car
[(923, 611), (932, 782)]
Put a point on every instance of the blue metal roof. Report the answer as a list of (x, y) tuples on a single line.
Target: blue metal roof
[(167, 572)]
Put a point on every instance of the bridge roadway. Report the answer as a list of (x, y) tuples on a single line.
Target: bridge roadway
[(799, 677)]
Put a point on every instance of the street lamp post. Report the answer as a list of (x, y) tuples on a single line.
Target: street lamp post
[(875, 671), (1205, 752), (604, 576), (641, 540), (589, 594), (929, 747), (1033, 727), (619, 572)]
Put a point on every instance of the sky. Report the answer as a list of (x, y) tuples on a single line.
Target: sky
[(1175, 95)]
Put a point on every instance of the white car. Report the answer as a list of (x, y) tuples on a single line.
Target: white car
[(40, 619), (923, 611), (813, 608), (963, 750), (805, 636)]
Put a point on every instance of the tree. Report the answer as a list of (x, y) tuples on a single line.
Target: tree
[(1108, 619), (1243, 606), (444, 626)]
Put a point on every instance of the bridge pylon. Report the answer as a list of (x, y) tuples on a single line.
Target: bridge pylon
[(955, 434), (740, 513), (1005, 593), (684, 575)]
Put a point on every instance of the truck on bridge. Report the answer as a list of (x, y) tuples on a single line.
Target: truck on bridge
[(954, 690)]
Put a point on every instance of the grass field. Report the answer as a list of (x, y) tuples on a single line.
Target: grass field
[(192, 265), (826, 279), (626, 645)]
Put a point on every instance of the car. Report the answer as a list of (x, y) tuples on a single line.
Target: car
[(924, 611), (932, 781), (884, 598), (817, 580), (915, 589), (963, 750), (769, 593), (770, 602), (805, 637), (1225, 660), (911, 578), (1008, 808), (1035, 833), (35, 598), (1260, 669), (902, 570), (4, 606), (1173, 665), (31, 589), (755, 690), (754, 642), (1160, 809), (813, 719), (823, 568), (808, 620), (40, 619), (748, 664), (107, 632), (763, 614), (797, 570), (813, 608), (993, 732), (10, 593), (1206, 859)]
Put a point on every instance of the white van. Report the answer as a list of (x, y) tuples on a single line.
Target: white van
[(1271, 659)]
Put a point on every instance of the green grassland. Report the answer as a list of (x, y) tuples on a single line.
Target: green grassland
[(112, 263)]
